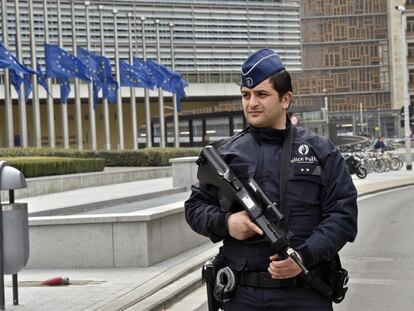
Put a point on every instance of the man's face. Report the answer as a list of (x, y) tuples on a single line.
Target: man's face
[(262, 106)]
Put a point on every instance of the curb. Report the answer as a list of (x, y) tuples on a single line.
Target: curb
[(387, 186)]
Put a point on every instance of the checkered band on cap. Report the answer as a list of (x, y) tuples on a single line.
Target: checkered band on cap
[(259, 66)]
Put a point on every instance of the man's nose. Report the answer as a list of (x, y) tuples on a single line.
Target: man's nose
[(254, 101)]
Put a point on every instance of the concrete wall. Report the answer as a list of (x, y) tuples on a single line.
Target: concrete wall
[(184, 171), (52, 184), (136, 239)]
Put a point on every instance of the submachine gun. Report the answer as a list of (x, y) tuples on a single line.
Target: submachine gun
[(214, 170)]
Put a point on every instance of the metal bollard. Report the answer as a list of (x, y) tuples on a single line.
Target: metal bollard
[(14, 235)]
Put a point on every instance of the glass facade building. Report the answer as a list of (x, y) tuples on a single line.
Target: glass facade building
[(211, 38)]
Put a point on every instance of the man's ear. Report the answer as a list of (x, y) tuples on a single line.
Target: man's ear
[(286, 98)]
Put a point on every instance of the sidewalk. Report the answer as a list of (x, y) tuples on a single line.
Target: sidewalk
[(109, 289)]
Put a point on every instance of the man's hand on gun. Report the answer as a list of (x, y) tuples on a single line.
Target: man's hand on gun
[(283, 268), (241, 227)]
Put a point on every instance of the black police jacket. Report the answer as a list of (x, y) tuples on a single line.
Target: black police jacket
[(321, 197)]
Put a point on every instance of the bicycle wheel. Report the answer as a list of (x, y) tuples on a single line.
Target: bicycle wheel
[(396, 163), (361, 172)]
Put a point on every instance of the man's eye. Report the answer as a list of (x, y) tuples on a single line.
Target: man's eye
[(245, 95)]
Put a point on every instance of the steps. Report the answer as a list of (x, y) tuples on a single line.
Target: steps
[(168, 287)]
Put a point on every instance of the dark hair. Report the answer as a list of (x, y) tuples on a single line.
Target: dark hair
[(281, 82)]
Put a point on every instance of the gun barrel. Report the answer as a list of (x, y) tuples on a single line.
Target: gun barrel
[(216, 160)]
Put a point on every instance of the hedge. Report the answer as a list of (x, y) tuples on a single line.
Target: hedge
[(45, 166), (143, 157)]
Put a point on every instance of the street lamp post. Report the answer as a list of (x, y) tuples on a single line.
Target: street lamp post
[(406, 96), (325, 111)]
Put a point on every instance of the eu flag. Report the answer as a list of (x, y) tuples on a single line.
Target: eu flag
[(17, 79), (41, 78), (169, 80), (141, 65), (132, 76), (9, 61), (100, 69), (166, 79), (112, 90), (62, 64), (180, 92), (105, 79), (64, 89), (92, 64), (155, 72)]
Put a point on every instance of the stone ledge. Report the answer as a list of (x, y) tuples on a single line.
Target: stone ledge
[(136, 239)]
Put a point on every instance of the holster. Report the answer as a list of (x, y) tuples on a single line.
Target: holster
[(209, 272), (333, 274)]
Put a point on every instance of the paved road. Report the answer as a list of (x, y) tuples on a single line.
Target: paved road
[(380, 262)]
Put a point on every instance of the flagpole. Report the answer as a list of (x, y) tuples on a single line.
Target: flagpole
[(78, 107), (92, 122), (22, 99), (146, 94), (105, 101), (63, 107), (118, 79), (160, 92), (35, 96), (133, 100), (8, 108), (175, 113), (50, 104), (9, 138)]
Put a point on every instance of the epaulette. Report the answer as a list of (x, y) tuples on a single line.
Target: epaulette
[(219, 143)]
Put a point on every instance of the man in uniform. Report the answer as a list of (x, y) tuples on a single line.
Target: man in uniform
[(319, 203)]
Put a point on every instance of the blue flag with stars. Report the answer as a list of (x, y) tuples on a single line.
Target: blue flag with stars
[(180, 92), (132, 76), (9, 61), (169, 80), (41, 78), (62, 64), (64, 89), (19, 73), (16, 79), (156, 74), (112, 90), (93, 66), (141, 65), (100, 68)]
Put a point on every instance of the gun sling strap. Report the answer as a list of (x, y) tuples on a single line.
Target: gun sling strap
[(262, 279), (285, 168), (313, 280)]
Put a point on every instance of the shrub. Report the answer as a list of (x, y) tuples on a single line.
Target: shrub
[(45, 166), (142, 157)]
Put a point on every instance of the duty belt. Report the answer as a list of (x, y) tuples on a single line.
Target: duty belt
[(264, 280)]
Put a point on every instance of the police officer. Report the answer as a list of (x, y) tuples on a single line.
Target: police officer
[(319, 202)]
